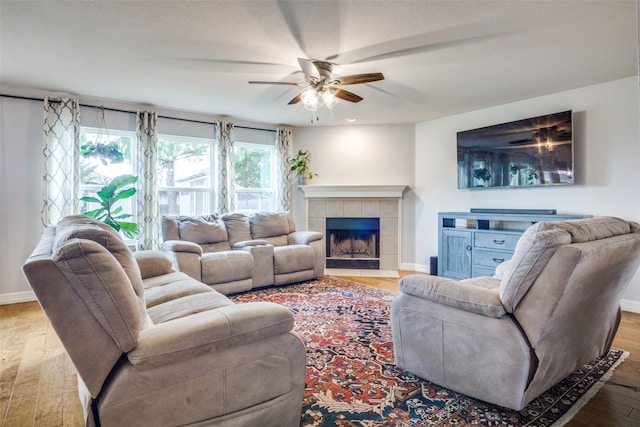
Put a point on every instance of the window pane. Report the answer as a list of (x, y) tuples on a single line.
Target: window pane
[(184, 202), (254, 200), (184, 164), (254, 173), (253, 166), (105, 155)]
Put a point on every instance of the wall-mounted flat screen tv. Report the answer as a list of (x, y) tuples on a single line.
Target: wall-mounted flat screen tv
[(537, 151)]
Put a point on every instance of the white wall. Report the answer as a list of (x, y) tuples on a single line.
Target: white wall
[(21, 165), (607, 158), (361, 155)]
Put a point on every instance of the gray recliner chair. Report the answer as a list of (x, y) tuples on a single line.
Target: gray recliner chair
[(155, 347), (549, 310)]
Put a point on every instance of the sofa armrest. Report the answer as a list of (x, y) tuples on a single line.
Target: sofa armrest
[(304, 237), (182, 246), (246, 243), (153, 263), (479, 295), (208, 331)]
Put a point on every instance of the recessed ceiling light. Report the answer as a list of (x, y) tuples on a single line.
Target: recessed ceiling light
[(351, 120)]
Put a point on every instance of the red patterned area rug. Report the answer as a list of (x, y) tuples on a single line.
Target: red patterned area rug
[(352, 379)]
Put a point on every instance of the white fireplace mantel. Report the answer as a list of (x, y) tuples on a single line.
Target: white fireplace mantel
[(353, 191)]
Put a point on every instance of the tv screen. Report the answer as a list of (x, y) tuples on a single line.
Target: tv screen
[(537, 151)]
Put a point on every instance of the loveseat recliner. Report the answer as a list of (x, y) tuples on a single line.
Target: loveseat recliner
[(235, 252), (153, 346), (507, 339)]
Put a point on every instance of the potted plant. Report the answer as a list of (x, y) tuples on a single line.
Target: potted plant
[(300, 164), (120, 187)]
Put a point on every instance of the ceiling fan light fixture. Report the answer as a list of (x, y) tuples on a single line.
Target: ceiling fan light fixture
[(310, 99), (329, 98)]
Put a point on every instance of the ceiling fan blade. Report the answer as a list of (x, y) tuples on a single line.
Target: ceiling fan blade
[(346, 95), (296, 99), (426, 42), (275, 83), (360, 78), (309, 69)]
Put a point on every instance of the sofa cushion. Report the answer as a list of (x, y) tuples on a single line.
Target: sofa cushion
[(477, 295), (533, 250), (292, 258), (589, 229), (237, 227), (153, 263), (227, 266), (202, 229), (269, 224), (176, 295), (102, 284), (87, 228)]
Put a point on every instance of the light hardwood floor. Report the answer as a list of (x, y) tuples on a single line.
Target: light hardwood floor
[(38, 383)]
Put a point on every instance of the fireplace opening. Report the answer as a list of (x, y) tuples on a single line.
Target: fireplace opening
[(353, 243)]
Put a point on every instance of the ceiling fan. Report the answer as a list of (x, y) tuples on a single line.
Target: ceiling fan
[(320, 84)]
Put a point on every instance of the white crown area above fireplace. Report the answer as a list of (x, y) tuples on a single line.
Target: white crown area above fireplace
[(361, 201)]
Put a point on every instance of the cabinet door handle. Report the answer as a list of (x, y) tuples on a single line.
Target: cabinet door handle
[(498, 242), (498, 260), (468, 247)]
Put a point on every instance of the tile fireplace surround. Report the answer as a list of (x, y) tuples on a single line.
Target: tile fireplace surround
[(361, 201)]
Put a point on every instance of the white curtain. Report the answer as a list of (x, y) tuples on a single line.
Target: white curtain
[(148, 206), (225, 168), (284, 184), (61, 159)]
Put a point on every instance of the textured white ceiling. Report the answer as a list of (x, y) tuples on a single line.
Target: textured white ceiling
[(439, 57)]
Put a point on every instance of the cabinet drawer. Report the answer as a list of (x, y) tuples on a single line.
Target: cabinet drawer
[(491, 259), (505, 241)]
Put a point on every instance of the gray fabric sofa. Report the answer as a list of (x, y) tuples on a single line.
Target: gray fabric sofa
[(235, 252), (506, 339), (153, 346)]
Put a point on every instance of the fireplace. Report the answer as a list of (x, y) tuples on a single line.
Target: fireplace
[(353, 243)]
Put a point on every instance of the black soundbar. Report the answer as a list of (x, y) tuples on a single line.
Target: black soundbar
[(515, 211)]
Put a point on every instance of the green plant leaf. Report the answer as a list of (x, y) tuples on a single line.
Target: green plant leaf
[(90, 199), (109, 221), (124, 194), (130, 229), (123, 180), (95, 213), (106, 193), (123, 216)]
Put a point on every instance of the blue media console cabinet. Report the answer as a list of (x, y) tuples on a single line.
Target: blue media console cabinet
[(472, 244)]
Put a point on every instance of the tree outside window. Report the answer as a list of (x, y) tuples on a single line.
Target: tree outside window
[(254, 173), (184, 170)]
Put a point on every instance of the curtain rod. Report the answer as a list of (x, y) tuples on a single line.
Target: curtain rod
[(133, 112)]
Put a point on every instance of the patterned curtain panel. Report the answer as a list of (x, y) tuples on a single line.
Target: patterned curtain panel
[(61, 159), (148, 206), (283, 149), (225, 168)]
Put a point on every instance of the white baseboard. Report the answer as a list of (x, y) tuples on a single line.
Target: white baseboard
[(17, 297), (415, 267), (630, 305)]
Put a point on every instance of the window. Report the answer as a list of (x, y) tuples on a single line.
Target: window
[(105, 154), (254, 174), (185, 182)]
